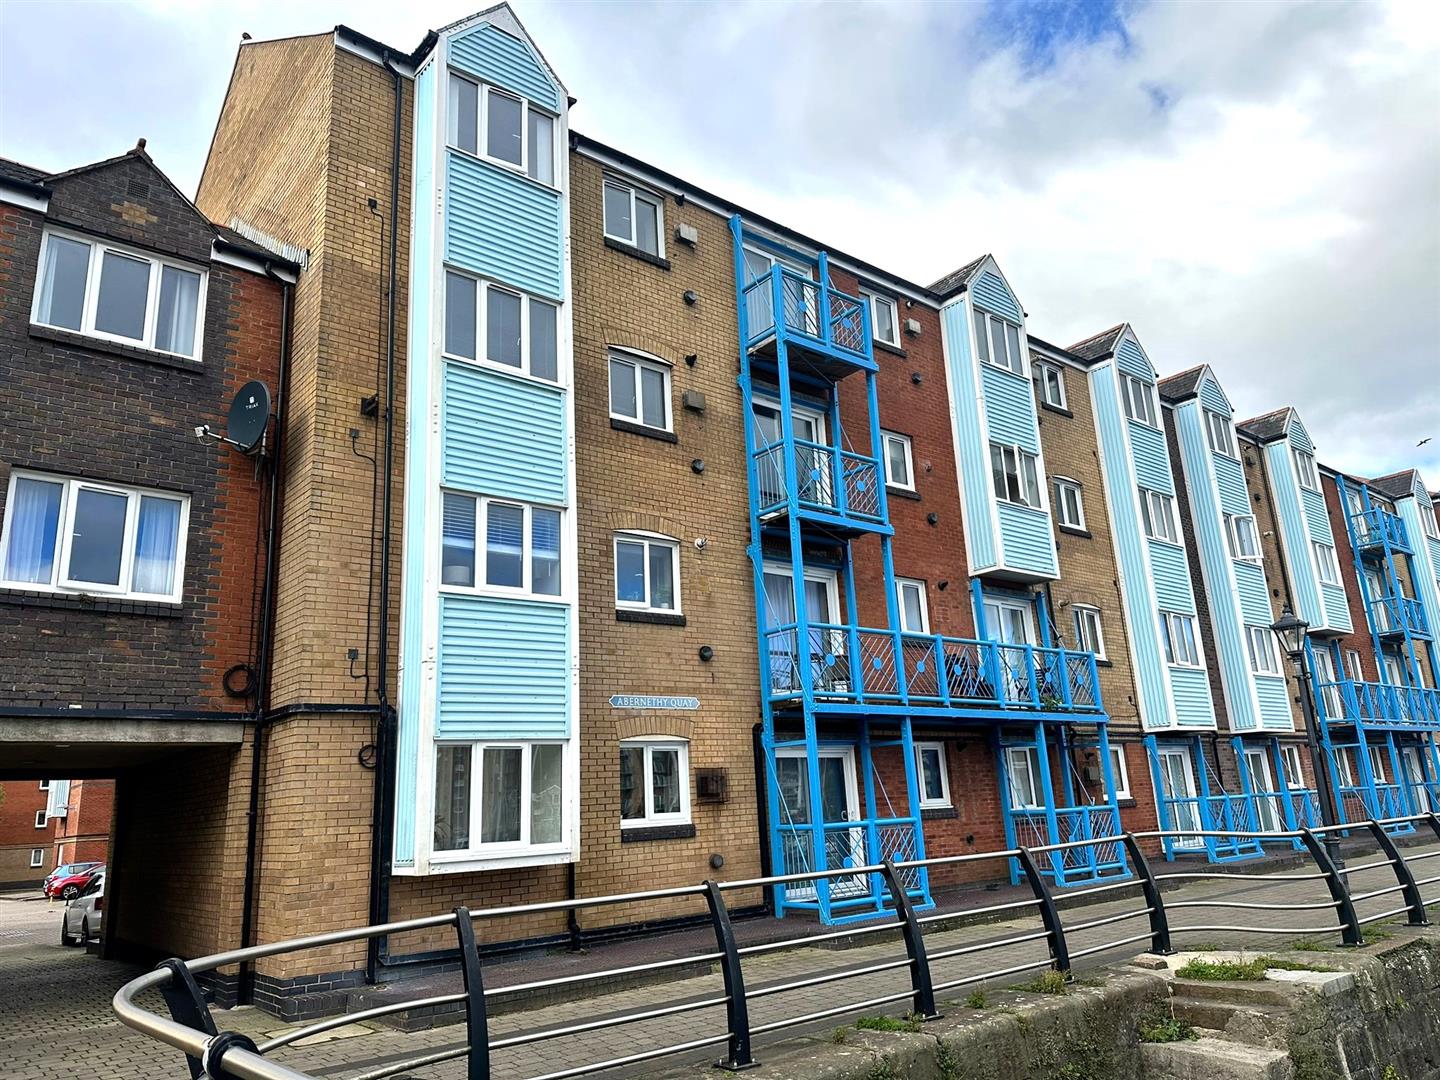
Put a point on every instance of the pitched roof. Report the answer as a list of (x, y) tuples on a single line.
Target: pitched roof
[(958, 279), (1268, 426), (1397, 485), (26, 174), (1099, 346), (1182, 385)]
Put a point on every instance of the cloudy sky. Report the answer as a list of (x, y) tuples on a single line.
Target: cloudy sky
[(1253, 185)]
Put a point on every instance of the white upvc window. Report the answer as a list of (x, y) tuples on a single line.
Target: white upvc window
[(634, 216), (1022, 769), (1182, 645), (1157, 511), (932, 775), (1345, 767), (1068, 502), (499, 545), (37, 857), (647, 573), (1377, 764), (884, 318), (1294, 774), (1120, 772), (1240, 537), (1264, 654), (1220, 434), (639, 390), (1354, 667), (500, 798), (899, 460), (503, 128), (1089, 634), (40, 819), (44, 785), (497, 326), (1325, 563), (120, 294), (1014, 475), (1140, 404), (654, 782), (997, 341), (67, 535), (1305, 470), (1049, 380), (1428, 520), (914, 609)]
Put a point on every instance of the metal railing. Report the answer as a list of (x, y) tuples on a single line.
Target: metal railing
[(190, 1028), (808, 311), (1381, 703), (1397, 614), (1375, 527), (827, 479)]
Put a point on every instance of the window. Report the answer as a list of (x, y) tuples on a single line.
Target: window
[(914, 610), (1022, 766), (521, 549), (884, 319), (1428, 521), (1068, 503), (1220, 434), (1240, 537), (639, 390), (1264, 654), (635, 216), (997, 342), (512, 131), (121, 295), (37, 857), (1353, 666), (1294, 774), (79, 536), (932, 775), (1305, 470), (44, 785), (40, 819), (654, 782), (1120, 772), (1014, 475), (1344, 767), (1325, 563), (647, 573), (1182, 648), (899, 461), (1049, 383), (1089, 637), (519, 332), (1140, 400), (1158, 514), (1377, 764), (515, 792)]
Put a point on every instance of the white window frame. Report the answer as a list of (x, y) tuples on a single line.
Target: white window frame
[(928, 802), (37, 858), (1029, 758), (526, 589), (874, 300), (637, 361), (1091, 614), (1327, 563), (41, 818), (1224, 433), (637, 192), (1040, 372), (44, 785), (1263, 650), (650, 540), (1345, 766), (476, 804), (651, 744), (1120, 771), (482, 130), (886, 438), (1150, 499), (1136, 391), (1305, 472), (915, 584), (59, 583), (1016, 365), (483, 288), (98, 248), (1429, 524), (1354, 666), (1377, 763), (1020, 456), (1060, 486), (1168, 621), (1290, 760), (1232, 538)]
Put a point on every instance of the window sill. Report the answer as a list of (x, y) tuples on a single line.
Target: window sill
[(901, 493), (105, 605), (1084, 534), (654, 618), (885, 346), (1059, 410), (656, 832), (114, 348), (1100, 661), (659, 434), (939, 813), (637, 253)]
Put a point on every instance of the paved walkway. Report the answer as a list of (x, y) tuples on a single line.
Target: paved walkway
[(54, 1011)]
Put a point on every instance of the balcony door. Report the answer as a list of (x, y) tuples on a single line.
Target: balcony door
[(1415, 778), (813, 468), (1331, 696), (839, 803), (1177, 779), (822, 605), (1262, 782), (801, 299), (1012, 622)]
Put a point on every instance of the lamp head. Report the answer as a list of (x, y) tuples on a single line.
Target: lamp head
[(1291, 631)]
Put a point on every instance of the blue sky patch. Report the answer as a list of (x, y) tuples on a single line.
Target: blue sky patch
[(1042, 29)]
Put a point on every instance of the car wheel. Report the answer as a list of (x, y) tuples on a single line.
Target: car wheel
[(65, 938), (70, 892), (84, 931)]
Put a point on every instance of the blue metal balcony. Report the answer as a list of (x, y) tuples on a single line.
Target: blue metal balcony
[(1377, 529), (832, 326), (834, 487), (1399, 616), (1381, 705)]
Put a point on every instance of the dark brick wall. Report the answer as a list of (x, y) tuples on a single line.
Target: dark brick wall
[(85, 408)]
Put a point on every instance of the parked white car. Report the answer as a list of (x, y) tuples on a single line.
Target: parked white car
[(84, 914)]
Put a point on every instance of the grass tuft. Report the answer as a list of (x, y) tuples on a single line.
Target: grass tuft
[(1047, 982), (887, 1023), (976, 1000), (1241, 970), (1166, 1029)]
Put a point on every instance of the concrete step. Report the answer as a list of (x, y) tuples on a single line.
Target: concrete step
[(1264, 992), (1253, 1025), (1212, 1057)]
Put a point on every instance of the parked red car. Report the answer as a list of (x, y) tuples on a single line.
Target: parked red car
[(67, 879)]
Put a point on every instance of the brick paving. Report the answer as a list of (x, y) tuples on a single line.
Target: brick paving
[(54, 1002)]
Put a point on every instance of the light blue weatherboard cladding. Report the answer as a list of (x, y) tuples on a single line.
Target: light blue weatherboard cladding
[(491, 54), (974, 452), (504, 669), (1286, 490), (1193, 705), (989, 292), (417, 388), (1132, 359), (1172, 577), (1427, 557), (1254, 599), (503, 436), (1212, 397), (1029, 540), (502, 225), (1152, 458), (1009, 408), (1230, 478), (1274, 698)]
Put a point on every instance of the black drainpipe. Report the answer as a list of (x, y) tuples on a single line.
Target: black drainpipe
[(377, 950)]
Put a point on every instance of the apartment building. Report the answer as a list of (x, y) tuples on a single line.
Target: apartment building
[(26, 853)]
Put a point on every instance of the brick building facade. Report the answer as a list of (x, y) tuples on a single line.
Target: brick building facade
[(26, 852)]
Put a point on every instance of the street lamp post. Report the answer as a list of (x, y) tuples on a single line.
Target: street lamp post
[(1291, 632)]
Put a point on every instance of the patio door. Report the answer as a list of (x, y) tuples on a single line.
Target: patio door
[(822, 605), (1012, 622), (839, 803), (801, 299), (1262, 782), (1177, 778), (1415, 778), (814, 473)]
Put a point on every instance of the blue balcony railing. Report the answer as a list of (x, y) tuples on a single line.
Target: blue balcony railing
[(1073, 823), (815, 314), (860, 665), (1377, 803), (1381, 703), (1398, 614), (1377, 528), (827, 479)]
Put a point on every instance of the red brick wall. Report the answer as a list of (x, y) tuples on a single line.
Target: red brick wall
[(19, 799), (1359, 638), (83, 834)]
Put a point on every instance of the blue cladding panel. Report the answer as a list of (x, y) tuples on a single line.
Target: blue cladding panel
[(1212, 397), (504, 669), (1426, 565), (990, 293), (1132, 359), (1299, 436), (1193, 704), (1298, 558), (501, 225), (1172, 577), (493, 55), (1316, 517), (1029, 540), (1337, 611), (974, 453), (1274, 703), (1230, 479), (503, 436), (1152, 459), (1254, 593), (1009, 408)]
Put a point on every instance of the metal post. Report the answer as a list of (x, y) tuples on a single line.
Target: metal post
[(1159, 921), (187, 1006), (1339, 891), (1049, 913), (1409, 889), (476, 1023), (1323, 790), (737, 1009), (914, 945)]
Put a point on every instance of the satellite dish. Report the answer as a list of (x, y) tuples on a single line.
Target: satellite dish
[(249, 414)]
